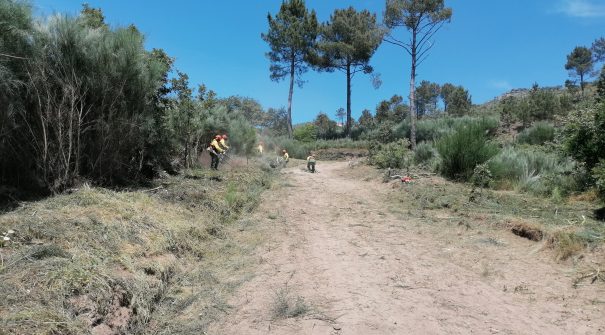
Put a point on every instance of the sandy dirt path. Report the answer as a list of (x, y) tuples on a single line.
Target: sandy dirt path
[(363, 269)]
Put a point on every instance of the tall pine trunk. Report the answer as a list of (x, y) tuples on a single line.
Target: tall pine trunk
[(348, 126), (413, 94), (290, 96)]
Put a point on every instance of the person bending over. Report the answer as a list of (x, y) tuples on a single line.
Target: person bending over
[(311, 163)]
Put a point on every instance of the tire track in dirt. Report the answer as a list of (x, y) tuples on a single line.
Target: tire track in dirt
[(365, 270)]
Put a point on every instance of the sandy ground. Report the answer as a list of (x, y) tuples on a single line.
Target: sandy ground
[(364, 269)]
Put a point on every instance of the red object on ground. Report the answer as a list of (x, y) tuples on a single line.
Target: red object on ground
[(406, 179)]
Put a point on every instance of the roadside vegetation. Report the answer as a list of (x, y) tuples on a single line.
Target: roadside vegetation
[(130, 233), (161, 261)]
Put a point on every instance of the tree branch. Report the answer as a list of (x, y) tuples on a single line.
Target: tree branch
[(11, 56), (429, 34), (404, 46), (424, 51)]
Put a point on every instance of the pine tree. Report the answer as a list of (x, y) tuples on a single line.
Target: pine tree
[(292, 35)]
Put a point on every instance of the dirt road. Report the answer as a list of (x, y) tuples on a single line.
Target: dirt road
[(364, 269)]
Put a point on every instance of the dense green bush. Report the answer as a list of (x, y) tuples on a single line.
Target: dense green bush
[(598, 173), (540, 133), (584, 135), (305, 133), (535, 171), (424, 153), (394, 155), (88, 95), (242, 136), (432, 129), (383, 133), (537, 105), (463, 149)]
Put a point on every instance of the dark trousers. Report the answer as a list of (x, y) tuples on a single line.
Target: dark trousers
[(311, 166), (214, 162)]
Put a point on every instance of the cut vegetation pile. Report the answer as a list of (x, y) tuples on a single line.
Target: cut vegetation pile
[(104, 262)]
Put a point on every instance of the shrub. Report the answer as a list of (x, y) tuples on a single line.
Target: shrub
[(242, 136), (584, 135), (463, 149), (305, 133), (384, 133), (482, 176), (598, 173), (434, 129), (424, 153), (394, 155), (540, 133), (536, 171)]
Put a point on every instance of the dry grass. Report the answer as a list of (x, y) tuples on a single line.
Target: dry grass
[(565, 244), (161, 261), (568, 227)]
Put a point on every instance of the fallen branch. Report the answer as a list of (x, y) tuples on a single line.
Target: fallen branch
[(153, 189), (594, 275)]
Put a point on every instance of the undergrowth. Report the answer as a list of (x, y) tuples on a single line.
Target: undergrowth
[(161, 261), (567, 228)]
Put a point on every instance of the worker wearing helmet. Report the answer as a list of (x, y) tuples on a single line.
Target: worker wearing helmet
[(223, 143), (285, 156), (215, 151), (311, 163), (260, 148)]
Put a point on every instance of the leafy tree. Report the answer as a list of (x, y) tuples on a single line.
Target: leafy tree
[(69, 118), (326, 128), (242, 136), (580, 64), (249, 108), (16, 27), (160, 139), (601, 86), (544, 103), (92, 17), (340, 114), (426, 98), (347, 43), (277, 121), (584, 135), (187, 118), (366, 120), (305, 133), (206, 97), (598, 50), (292, 34), (423, 19), (445, 94), (459, 102), (391, 111)]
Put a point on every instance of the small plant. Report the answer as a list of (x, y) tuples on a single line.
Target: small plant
[(482, 176), (6, 238), (286, 306)]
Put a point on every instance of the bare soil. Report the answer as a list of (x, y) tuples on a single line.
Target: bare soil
[(363, 267)]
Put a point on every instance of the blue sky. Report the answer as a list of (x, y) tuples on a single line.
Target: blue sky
[(489, 47)]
